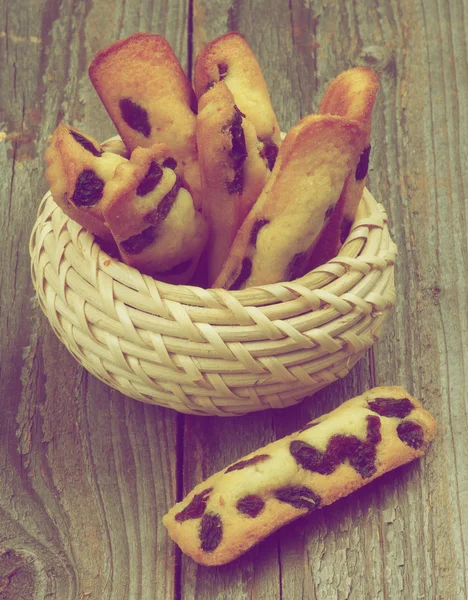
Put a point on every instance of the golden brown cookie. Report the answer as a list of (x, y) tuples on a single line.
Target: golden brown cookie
[(327, 459), (351, 95), (152, 216), (77, 172), (149, 98), (232, 171), (276, 239), (229, 58)]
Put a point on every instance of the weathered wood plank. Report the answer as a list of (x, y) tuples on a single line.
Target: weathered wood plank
[(86, 474), (405, 535)]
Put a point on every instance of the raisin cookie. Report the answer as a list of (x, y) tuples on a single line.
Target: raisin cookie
[(277, 238), (229, 58), (327, 459), (232, 171), (351, 95), (78, 170), (149, 98), (152, 216)]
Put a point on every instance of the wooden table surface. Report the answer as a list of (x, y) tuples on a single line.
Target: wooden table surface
[(86, 474)]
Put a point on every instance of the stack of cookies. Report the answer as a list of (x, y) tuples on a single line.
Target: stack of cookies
[(202, 173), (200, 185)]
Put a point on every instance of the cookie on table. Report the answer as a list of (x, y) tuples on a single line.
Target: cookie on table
[(78, 170), (277, 238), (149, 98), (229, 58), (327, 459), (351, 95), (152, 216), (232, 171)]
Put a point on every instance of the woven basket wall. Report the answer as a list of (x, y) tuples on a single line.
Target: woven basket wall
[(213, 352)]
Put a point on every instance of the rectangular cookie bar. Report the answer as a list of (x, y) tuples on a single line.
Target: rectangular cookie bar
[(352, 96), (152, 216), (78, 170), (278, 236), (229, 58), (149, 98), (327, 459), (232, 171)]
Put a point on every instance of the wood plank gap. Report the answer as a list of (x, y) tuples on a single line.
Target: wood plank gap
[(180, 428), (190, 40), (180, 419), (280, 568)]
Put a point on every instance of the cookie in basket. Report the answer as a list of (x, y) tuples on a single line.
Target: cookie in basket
[(351, 95), (78, 170), (152, 216), (149, 98), (232, 171), (277, 238), (327, 459), (229, 58)]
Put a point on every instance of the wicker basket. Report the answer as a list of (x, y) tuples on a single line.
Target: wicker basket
[(213, 352)]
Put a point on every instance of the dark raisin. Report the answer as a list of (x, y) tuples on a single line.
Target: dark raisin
[(157, 216), (150, 180), (363, 458), (307, 426), (340, 448), (88, 190), (245, 272), (170, 163), (363, 165), (238, 466), (135, 116), (238, 152), (391, 407), (222, 70), (411, 433), (87, 144), (299, 497), (210, 85), (361, 455), (178, 269), (374, 435), (196, 508), (250, 505), (329, 211), (345, 229), (270, 153), (310, 458), (297, 266), (255, 229), (137, 243), (211, 532)]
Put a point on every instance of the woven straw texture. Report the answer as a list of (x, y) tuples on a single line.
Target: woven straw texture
[(213, 352)]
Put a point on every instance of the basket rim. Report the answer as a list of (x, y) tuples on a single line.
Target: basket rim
[(370, 214)]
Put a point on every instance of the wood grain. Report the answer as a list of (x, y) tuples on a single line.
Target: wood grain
[(405, 535), (86, 474)]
